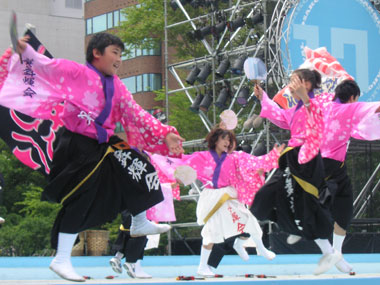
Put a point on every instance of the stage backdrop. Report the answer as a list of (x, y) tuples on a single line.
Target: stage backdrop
[(350, 31)]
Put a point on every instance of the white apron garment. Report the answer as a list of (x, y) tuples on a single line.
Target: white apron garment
[(223, 216)]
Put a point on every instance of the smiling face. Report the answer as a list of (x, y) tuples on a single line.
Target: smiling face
[(108, 62), (222, 144)]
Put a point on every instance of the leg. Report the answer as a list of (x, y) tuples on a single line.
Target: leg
[(134, 251), (115, 262), (203, 268), (330, 256), (61, 263), (140, 273)]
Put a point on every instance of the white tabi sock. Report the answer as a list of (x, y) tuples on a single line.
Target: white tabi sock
[(262, 250), (342, 265), (203, 268), (61, 263), (324, 245), (338, 242)]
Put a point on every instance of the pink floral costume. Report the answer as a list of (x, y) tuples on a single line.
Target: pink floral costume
[(230, 181), (94, 174), (296, 197)]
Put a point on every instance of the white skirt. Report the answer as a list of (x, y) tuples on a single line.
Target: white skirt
[(231, 219)]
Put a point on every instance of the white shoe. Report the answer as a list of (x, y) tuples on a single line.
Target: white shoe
[(240, 249), (292, 239), (148, 228), (66, 271), (140, 272), (116, 265), (268, 254), (343, 266), (327, 261), (205, 271), (130, 268)]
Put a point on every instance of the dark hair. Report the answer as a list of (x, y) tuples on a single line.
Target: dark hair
[(216, 133), (312, 76), (100, 41), (346, 89)]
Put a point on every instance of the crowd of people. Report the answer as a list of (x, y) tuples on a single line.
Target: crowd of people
[(96, 176)]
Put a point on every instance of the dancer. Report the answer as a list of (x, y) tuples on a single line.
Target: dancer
[(91, 167), (231, 181), (343, 118), (302, 206)]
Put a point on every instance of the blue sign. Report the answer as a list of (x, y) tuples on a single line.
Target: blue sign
[(350, 31)]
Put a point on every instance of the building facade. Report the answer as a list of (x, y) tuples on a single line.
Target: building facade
[(59, 25), (143, 70)]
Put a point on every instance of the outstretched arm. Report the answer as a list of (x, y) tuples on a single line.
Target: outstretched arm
[(271, 110)]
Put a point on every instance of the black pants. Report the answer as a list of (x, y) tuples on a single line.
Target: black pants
[(95, 182), (342, 197), (296, 198), (219, 250), (131, 247)]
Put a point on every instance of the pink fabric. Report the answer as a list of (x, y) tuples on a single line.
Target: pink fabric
[(165, 167), (325, 63), (51, 81), (342, 121), (239, 170), (163, 211), (305, 125), (4, 60)]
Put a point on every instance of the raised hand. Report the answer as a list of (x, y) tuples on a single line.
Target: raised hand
[(173, 141), (258, 92)]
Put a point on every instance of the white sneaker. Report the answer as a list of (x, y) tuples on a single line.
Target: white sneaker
[(343, 266), (130, 268), (240, 249), (148, 228), (140, 273), (292, 239), (66, 271), (327, 261), (205, 271), (116, 265)]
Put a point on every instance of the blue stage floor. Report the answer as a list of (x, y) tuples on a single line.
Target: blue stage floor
[(287, 269)]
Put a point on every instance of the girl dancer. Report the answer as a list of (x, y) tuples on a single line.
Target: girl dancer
[(302, 206), (231, 181)]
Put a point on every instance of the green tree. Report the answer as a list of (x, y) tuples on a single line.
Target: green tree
[(28, 232)]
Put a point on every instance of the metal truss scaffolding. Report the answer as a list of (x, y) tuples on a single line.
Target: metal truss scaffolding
[(231, 30)]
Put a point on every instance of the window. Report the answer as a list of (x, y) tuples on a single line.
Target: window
[(139, 86), (130, 83), (89, 26), (75, 4), (109, 20), (99, 23), (143, 82), (116, 18)]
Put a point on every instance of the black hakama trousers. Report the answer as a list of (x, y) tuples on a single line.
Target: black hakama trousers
[(296, 198), (95, 182)]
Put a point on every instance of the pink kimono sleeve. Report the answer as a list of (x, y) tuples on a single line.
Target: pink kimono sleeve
[(271, 111), (314, 132), (4, 60), (366, 121), (248, 173), (34, 88), (142, 129)]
